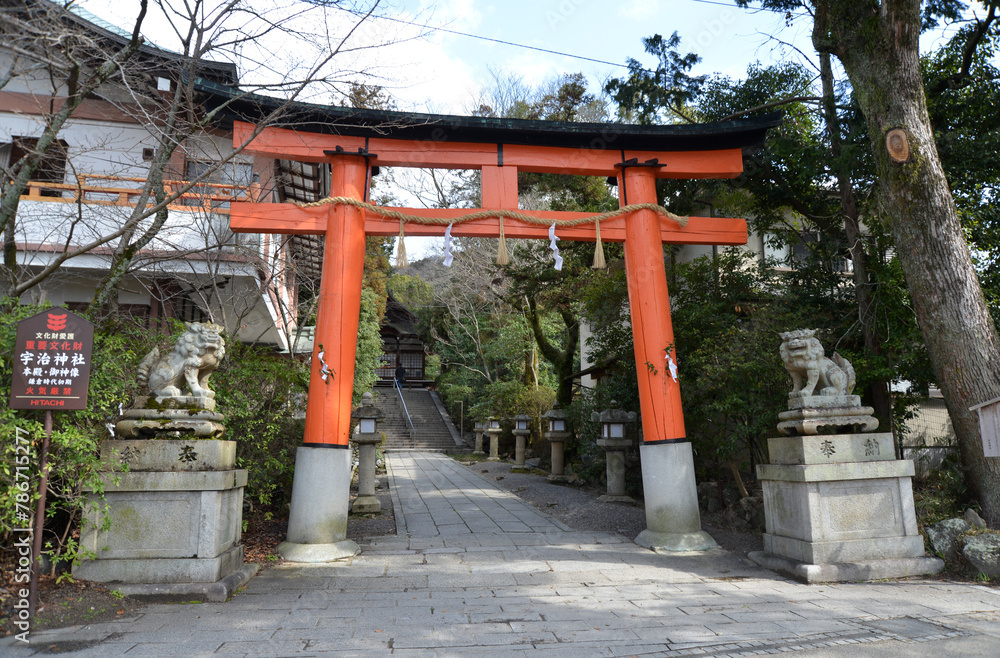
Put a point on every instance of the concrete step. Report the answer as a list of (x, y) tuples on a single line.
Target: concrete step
[(432, 433)]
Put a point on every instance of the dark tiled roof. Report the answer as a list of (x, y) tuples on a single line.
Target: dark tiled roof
[(411, 125)]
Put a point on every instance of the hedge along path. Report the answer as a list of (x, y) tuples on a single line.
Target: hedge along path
[(503, 257)]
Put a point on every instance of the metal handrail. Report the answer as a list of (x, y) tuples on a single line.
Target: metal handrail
[(402, 402)]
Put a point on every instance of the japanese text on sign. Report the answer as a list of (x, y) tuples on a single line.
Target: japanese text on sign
[(52, 361)]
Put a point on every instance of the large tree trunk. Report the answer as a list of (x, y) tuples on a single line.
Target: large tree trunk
[(878, 46), (878, 389)]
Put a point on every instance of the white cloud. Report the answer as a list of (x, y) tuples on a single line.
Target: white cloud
[(461, 15), (415, 64), (639, 9)]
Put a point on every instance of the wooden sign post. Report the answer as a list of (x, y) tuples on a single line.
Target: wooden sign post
[(51, 371), (989, 426)]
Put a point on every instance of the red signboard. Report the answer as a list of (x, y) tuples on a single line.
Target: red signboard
[(52, 361)]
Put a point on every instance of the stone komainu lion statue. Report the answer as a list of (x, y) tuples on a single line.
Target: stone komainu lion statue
[(810, 369), (193, 360)]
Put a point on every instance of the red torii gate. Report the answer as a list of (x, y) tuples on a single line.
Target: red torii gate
[(318, 517)]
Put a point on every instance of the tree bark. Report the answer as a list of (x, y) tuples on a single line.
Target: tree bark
[(563, 360), (878, 390), (878, 46)]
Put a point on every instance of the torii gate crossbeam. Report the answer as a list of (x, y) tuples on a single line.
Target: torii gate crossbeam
[(318, 517)]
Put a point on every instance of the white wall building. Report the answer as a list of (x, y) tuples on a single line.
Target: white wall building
[(88, 187)]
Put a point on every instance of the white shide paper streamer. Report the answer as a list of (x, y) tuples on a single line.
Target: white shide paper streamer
[(554, 247), (448, 256)]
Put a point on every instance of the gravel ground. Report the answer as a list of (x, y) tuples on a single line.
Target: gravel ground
[(373, 525), (580, 509)]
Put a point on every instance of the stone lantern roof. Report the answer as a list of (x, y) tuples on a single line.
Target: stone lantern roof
[(367, 409), (614, 415)]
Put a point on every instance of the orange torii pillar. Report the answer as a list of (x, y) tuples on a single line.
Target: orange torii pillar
[(671, 496), (317, 518)]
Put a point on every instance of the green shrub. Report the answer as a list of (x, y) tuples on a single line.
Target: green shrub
[(502, 399), (263, 398), (369, 351), (726, 321)]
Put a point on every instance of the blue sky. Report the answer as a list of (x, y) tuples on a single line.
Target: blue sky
[(439, 71), (445, 71), (435, 70)]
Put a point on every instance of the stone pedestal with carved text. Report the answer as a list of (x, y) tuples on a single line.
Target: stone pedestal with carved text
[(170, 521), (173, 520), (838, 506)]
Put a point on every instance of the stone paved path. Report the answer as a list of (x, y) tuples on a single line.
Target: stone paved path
[(475, 571)]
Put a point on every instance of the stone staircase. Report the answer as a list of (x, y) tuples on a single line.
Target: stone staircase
[(432, 431)]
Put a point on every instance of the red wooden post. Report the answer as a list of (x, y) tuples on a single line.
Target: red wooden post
[(317, 517), (649, 304), (673, 521), (328, 411)]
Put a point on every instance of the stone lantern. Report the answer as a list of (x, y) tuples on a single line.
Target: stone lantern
[(556, 436), (522, 430), (480, 428), (367, 437), (493, 429), (615, 441)]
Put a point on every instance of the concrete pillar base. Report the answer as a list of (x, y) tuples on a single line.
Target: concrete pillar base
[(166, 522), (520, 438), (218, 592), (494, 446), (840, 508), (366, 502), (317, 519), (851, 572), (318, 552), (610, 498), (676, 541), (366, 505), (556, 440), (673, 522), (614, 455)]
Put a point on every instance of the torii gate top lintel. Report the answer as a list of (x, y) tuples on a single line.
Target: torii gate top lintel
[(500, 149), (432, 141)]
